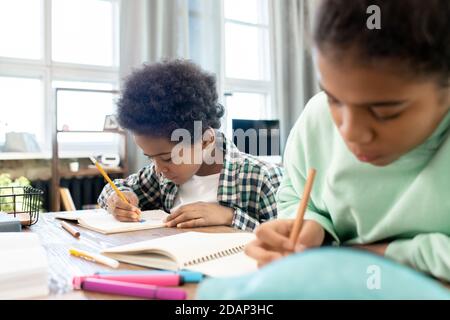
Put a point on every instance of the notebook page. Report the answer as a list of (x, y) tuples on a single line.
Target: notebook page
[(105, 222), (75, 215), (149, 260), (229, 266)]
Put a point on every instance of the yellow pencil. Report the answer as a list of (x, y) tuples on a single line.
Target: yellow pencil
[(94, 257), (105, 175)]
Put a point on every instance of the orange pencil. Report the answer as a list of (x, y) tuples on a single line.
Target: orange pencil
[(295, 232), (105, 175), (70, 229)]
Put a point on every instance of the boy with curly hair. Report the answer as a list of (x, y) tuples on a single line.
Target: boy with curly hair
[(202, 181)]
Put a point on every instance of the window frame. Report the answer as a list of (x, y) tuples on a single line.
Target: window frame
[(49, 71), (234, 85)]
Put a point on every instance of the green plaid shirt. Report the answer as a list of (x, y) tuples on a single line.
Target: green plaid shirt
[(246, 184)]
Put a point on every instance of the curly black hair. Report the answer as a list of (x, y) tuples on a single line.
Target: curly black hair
[(169, 95), (414, 31)]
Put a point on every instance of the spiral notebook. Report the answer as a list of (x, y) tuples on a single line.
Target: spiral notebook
[(213, 254)]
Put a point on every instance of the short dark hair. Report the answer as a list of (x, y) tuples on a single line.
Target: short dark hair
[(414, 31), (169, 95)]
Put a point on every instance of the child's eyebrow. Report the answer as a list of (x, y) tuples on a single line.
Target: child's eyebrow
[(328, 94), (376, 104), (156, 155), (387, 103)]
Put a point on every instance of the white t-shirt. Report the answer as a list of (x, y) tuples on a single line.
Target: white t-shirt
[(198, 188)]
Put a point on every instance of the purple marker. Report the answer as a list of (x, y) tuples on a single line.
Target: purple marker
[(166, 280), (131, 289)]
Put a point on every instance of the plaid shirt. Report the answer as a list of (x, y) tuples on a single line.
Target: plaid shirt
[(246, 184)]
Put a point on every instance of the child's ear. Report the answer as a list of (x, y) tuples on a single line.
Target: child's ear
[(209, 138)]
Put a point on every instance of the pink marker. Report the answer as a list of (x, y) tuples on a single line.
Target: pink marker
[(167, 280), (131, 289)]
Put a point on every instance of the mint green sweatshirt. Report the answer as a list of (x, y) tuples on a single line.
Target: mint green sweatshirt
[(406, 203)]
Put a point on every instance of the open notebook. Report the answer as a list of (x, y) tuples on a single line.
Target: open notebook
[(101, 221), (23, 266), (213, 254)]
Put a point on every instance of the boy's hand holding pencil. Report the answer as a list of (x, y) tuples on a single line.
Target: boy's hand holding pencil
[(122, 204), (124, 211)]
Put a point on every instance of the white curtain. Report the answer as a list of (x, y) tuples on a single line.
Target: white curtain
[(151, 30), (294, 77), (205, 37)]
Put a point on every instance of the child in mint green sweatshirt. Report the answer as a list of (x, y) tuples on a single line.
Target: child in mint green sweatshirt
[(378, 136)]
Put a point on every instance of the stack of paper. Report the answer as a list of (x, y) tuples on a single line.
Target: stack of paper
[(23, 266)]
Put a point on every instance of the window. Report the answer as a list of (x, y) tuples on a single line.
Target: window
[(83, 32), (16, 105), (25, 41), (247, 105), (48, 44), (73, 106), (247, 60)]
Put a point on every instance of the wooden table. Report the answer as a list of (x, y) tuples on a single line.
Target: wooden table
[(63, 266)]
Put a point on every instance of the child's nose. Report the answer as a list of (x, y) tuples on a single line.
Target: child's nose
[(160, 169), (354, 129)]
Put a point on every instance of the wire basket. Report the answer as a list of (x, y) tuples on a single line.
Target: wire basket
[(24, 202)]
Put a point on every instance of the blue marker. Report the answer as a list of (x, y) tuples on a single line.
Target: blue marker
[(188, 276)]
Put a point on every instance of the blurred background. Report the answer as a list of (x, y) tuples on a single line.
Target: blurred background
[(62, 63)]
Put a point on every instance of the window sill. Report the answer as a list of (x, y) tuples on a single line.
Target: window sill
[(91, 172), (43, 155), (271, 159), (24, 155)]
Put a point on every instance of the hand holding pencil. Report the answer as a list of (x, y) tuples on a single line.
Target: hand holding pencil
[(278, 238), (122, 204), (124, 211)]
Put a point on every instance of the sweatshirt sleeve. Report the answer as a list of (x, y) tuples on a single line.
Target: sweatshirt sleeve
[(429, 253), (288, 200), (296, 166)]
